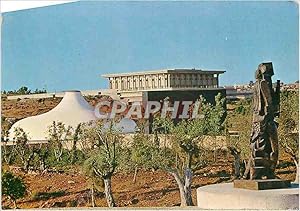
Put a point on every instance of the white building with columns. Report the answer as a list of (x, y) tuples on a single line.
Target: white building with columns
[(135, 86), (166, 79)]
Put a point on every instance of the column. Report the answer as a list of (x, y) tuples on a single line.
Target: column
[(168, 81), (110, 83), (122, 84)]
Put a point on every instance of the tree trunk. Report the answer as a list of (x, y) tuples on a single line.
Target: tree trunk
[(27, 161), (73, 159), (297, 171), (247, 169), (58, 154), (135, 175), (188, 174), (15, 203), (7, 154), (181, 186), (26, 166), (42, 164), (183, 199), (93, 195), (237, 166), (215, 149), (108, 192), (74, 152)]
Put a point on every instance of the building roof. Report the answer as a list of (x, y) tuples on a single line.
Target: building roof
[(176, 70), (72, 110)]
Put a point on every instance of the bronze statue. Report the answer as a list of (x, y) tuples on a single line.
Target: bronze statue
[(264, 138)]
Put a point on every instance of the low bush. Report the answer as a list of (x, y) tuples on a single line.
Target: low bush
[(47, 195)]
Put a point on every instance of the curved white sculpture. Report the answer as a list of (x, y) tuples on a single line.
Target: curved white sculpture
[(72, 110)]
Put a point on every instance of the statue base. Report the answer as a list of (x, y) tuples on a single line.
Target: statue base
[(262, 184), (225, 196)]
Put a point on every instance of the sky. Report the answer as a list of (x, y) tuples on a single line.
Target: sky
[(69, 46)]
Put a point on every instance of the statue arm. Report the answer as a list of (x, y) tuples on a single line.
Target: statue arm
[(266, 92)]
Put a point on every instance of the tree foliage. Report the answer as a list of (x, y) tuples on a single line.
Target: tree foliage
[(58, 134), (288, 126), (240, 122), (24, 90), (243, 107), (23, 150), (13, 187), (8, 152), (141, 150)]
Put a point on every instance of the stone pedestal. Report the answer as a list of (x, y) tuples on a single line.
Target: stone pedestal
[(261, 184), (225, 196)]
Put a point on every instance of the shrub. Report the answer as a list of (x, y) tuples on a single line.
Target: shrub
[(13, 187), (47, 195)]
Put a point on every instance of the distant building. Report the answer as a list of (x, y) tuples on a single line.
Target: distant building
[(290, 87), (138, 86), (245, 91), (167, 79), (238, 92)]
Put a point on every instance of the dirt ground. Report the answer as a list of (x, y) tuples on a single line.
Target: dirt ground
[(152, 188)]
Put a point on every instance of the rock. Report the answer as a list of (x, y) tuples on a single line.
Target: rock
[(134, 201), (41, 100), (32, 172), (59, 204), (11, 120), (72, 203), (45, 205), (83, 198), (146, 186), (213, 172)]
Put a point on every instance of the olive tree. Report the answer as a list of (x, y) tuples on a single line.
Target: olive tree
[(185, 152), (142, 152), (94, 181), (103, 157), (185, 143), (182, 155), (23, 150), (75, 138), (8, 152)]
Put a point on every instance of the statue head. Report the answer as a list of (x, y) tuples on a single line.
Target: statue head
[(264, 70), (258, 74), (267, 69)]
